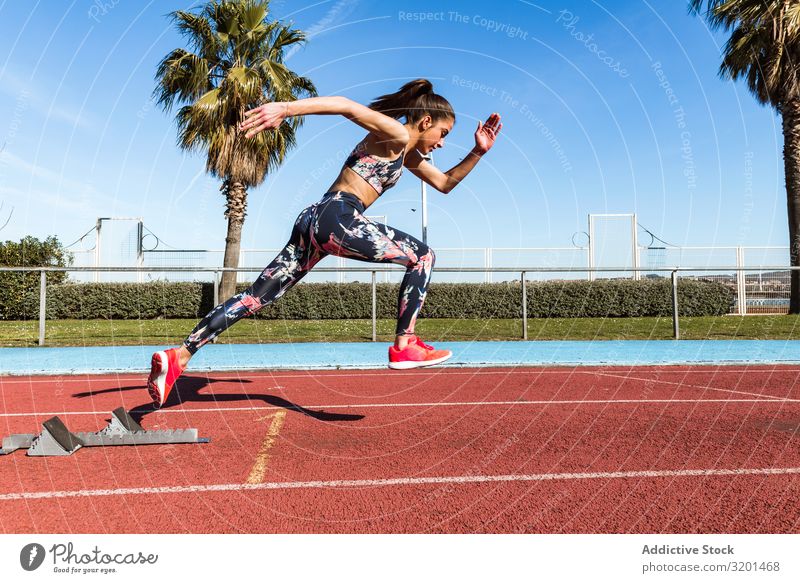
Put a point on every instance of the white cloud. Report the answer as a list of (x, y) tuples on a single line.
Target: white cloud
[(41, 196), (334, 16), (55, 201), (21, 168), (36, 98)]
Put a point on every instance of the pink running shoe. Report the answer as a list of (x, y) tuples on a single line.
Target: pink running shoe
[(164, 371), (416, 354)]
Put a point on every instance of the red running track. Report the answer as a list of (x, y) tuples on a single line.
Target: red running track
[(509, 450)]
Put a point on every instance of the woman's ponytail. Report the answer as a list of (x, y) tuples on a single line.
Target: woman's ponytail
[(413, 101)]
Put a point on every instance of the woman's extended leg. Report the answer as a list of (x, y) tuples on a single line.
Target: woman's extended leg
[(289, 266), (295, 260)]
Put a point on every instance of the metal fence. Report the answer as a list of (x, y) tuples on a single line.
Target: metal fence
[(649, 260), (769, 291)]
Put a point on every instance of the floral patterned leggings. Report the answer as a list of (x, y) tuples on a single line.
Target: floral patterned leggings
[(333, 226)]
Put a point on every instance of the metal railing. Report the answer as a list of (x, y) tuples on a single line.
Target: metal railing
[(488, 257), (216, 271)]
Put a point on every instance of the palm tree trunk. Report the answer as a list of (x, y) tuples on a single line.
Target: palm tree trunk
[(790, 111), (236, 196)]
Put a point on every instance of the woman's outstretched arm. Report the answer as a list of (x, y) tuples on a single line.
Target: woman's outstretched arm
[(444, 182), (271, 115)]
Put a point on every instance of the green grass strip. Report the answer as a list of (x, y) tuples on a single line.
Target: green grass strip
[(171, 332)]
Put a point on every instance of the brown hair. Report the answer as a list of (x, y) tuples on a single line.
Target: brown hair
[(414, 100)]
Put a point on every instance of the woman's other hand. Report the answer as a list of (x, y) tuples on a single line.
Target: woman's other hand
[(487, 132)]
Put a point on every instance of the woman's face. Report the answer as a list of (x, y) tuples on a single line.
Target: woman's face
[(432, 138)]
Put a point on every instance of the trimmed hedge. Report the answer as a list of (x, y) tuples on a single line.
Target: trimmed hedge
[(552, 299), (124, 301)]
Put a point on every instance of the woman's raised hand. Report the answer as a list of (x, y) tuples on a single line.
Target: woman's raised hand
[(264, 117), (487, 132)]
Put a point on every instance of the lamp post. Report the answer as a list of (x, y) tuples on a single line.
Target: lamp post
[(427, 158)]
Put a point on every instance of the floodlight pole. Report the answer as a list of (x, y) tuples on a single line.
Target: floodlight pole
[(590, 249), (98, 226), (427, 158), (635, 243), (140, 248)]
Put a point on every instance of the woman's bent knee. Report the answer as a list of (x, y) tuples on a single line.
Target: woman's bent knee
[(421, 262), (427, 258)]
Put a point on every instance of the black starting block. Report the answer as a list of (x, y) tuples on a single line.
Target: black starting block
[(56, 439)]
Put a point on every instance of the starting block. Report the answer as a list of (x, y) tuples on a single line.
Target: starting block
[(56, 440)]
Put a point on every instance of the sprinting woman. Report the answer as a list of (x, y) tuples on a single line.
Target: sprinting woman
[(336, 225)]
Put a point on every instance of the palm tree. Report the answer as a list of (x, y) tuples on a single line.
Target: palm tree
[(764, 49), (237, 64)]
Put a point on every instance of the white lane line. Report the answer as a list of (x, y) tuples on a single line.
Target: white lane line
[(503, 370), (411, 405), (689, 385), (397, 482)]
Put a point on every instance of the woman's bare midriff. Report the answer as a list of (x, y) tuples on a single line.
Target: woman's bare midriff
[(349, 181)]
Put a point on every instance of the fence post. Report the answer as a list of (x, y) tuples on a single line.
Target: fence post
[(216, 288), (374, 310), (42, 304), (675, 328), (524, 308)]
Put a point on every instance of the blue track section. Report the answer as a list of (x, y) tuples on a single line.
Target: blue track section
[(311, 356)]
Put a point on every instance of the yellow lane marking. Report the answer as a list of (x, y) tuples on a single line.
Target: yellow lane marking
[(260, 466)]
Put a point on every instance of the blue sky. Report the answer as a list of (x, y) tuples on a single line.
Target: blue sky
[(607, 106)]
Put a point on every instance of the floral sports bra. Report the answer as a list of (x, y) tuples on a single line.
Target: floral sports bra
[(380, 173)]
